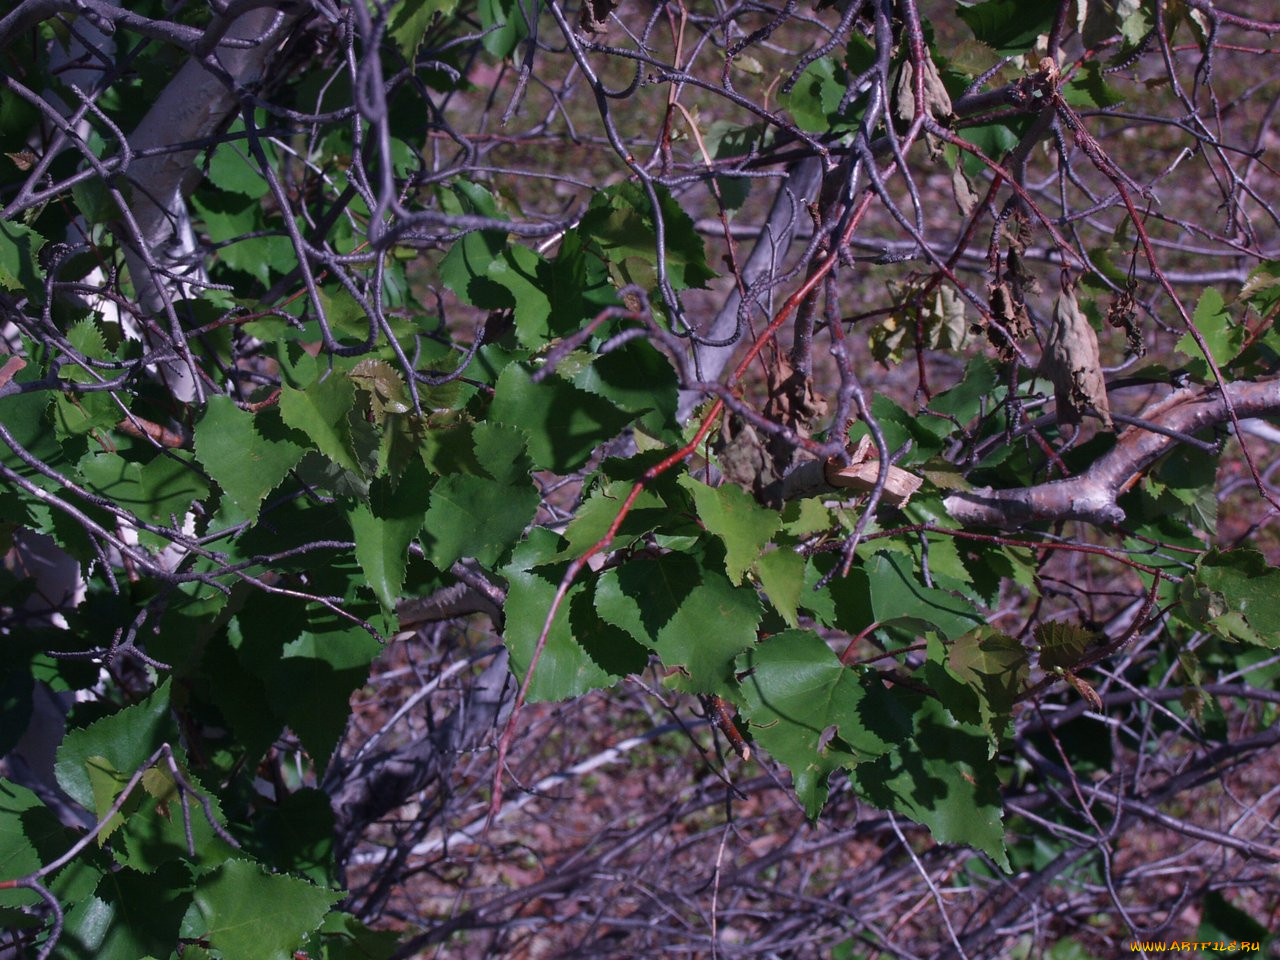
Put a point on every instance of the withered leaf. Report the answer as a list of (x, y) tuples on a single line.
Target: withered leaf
[(792, 400), (1084, 689), (594, 15), (24, 160), (962, 190), (863, 471), (1008, 310), (741, 455), (1074, 364), (937, 102), (1123, 315)]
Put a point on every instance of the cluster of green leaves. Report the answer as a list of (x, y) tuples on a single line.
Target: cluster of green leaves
[(138, 891), (701, 574), (324, 488)]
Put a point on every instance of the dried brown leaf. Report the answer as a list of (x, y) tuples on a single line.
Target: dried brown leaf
[(593, 18), (937, 102), (962, 190), (1074, 364)]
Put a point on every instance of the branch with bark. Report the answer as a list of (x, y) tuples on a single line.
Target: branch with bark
[(1092, 496)]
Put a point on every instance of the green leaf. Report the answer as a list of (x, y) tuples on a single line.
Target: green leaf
[(1010, 27), (19, 269), (524, 274), (160, 492), (343, 937), (86, 339), (844, 603), (409, 20), (329, 662), (781, 573), (978, 392), (1262, 289), (399, 445), (731, 514), (610, 647), (563, 423), (689, 614), (596, 514), (384, 527), (130, 915), (620, 221), (940, 775), (1236, 595), (994, 666), (241, 697), (347, 318), (564, 669), (1099, 20), (814, 714), (246, 464), (125, 739), (76, 414), (24, 416), (1062, 644), (476, 517), (384, 385), (466, 267), (297, 834), (816, 96), (898, 427), (1184, 488), (636, 379), (500, 451), (1088, 88), (106, 782), (291, 649), (546, 298), (1221, 334), (450, 448), (993, 139), (803, 517), (321, 412), (26, 826), (504, 24), (237, 224), (154, 833), (232, 167), (897, 595), (244, 912), (1223, 921)]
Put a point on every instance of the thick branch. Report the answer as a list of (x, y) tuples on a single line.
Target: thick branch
[(785, 217), (1091, 496), (196, 103)]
